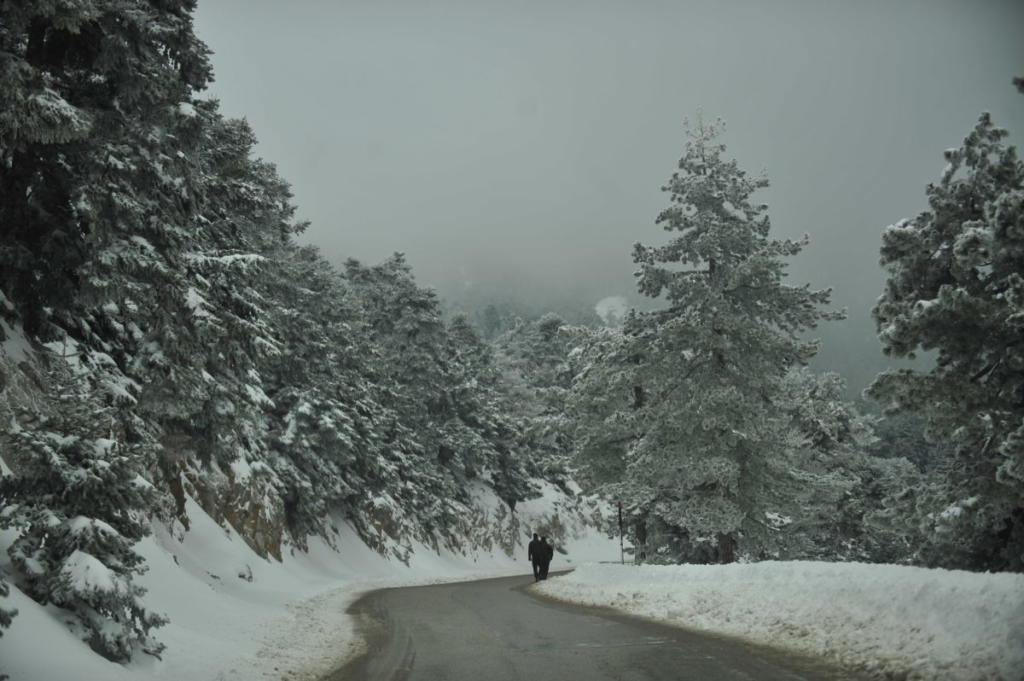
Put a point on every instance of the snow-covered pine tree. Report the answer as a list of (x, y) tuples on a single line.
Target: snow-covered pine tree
[(91, 92), (217, 335), (324, 419), (78, 504), (6, 616), (853, 485), (491, 439), (533, 359), (903, 435), (708, 455), (473, 429), (907, 510), (956, 288), (443, 423), (97, 194), (408, 333)]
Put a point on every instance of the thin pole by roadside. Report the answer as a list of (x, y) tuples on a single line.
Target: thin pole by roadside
[(622, 551)]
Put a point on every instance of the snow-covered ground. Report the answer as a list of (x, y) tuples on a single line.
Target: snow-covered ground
[(238, 617), (894, 622)]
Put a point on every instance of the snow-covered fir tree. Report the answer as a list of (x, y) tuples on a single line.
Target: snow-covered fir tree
[(481, 413), (406, 329), (903, 435), (442, 427), (78, 504), (6, 615), (94, 201), (324, 438), (91, 100), (200, 362), (852, 485), (537, 374), (691, 428), (955, 288)]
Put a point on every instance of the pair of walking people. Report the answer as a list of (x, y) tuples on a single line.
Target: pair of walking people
[(540, 554)]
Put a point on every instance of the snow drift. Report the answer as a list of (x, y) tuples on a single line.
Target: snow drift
[(893, 622)]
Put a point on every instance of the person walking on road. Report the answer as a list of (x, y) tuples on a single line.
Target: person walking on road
[(547, 552), (534, 554)]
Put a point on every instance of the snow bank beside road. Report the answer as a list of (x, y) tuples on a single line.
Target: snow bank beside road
[(890, 621)]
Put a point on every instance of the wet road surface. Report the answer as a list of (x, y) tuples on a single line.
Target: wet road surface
[(497, 630)]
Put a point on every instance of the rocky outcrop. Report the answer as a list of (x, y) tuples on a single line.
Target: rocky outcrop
[(242, 497)]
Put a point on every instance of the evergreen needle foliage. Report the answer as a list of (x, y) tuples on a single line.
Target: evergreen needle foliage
[(690, 433), (79, 504), (192, 347), (956, 288)]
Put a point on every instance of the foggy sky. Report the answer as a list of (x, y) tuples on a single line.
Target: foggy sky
[(518, 148)]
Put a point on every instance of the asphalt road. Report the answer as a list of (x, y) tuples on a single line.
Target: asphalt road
[(497, 630)]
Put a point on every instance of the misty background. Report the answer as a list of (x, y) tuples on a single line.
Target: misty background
[(515, 151)]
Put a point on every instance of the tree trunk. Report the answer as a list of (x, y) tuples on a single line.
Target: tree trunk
[(726, 548)]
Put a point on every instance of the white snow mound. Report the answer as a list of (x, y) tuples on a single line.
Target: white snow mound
[(891, 621)]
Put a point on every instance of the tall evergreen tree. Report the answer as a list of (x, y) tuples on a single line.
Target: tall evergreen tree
[(537, 374), (405, 326), (96, 130), (491, 438), (91, 97), (444, 425), (325, 415), (956, 288), (710, 454), (200, 362), (98, 191), (79, 504), (854, 485)]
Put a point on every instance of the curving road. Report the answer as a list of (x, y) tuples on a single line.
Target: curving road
[(497, 630)]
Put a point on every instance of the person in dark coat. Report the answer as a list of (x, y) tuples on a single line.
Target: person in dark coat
[(534, 554), (547, 552)]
